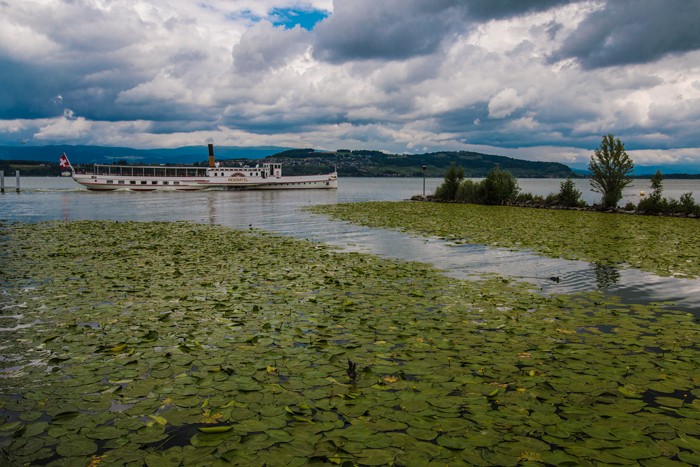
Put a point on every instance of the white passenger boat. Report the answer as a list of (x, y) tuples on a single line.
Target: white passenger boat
[(266, 176)]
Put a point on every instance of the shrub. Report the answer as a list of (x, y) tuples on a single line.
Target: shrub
[(499, 187), (568, 195), (552, 200), (653, 204), (447, 191), (687, 204), (470, 191)]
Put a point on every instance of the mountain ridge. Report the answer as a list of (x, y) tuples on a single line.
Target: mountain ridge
[(363, 162)]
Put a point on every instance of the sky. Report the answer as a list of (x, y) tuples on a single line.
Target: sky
[(537, 80)]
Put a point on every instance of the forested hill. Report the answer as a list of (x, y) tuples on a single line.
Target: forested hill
[(43, 160), (365, 163)]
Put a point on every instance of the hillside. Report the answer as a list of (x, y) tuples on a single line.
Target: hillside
[(366, 163), (42, 160)]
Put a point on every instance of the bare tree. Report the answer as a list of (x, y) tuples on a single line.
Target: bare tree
[(611, 168)]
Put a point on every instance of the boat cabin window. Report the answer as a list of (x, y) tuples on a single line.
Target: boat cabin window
[(133, 182), (143, 182), (110, 181), (176, 183), (154, 182), (165, 182), (120, 182)]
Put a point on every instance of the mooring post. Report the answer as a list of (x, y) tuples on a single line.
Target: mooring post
[(17, 184), (2, 181)]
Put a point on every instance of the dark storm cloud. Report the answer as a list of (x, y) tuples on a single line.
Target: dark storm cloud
[(634, 31), (401, 29), (485, 10), (392, 29)]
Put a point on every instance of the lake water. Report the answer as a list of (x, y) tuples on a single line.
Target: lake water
[(280, 212)]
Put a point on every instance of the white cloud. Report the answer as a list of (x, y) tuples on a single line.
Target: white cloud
[(176, 72), (505, 103)]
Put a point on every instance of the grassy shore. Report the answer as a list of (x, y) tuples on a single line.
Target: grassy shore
[(663, 245), (182, 344)]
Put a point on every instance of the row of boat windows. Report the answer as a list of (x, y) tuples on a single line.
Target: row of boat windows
[(143, 182), (166, 182)]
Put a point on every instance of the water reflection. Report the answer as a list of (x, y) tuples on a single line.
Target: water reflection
[(606, 276)]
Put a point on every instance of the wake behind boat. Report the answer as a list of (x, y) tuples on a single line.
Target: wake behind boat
[(267, 176)]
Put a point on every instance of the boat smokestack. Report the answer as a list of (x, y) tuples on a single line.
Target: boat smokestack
[(211, 155)]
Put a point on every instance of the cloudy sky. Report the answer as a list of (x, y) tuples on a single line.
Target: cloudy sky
[(538, 80)]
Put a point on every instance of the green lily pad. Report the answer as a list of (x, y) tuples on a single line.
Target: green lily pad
[(76, 447)]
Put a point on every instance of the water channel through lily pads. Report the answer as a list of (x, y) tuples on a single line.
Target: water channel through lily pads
[(127, 343)]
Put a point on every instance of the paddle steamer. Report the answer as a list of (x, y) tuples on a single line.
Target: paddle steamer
[(266, 176)]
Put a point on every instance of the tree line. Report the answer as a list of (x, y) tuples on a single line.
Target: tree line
[(611, 171)]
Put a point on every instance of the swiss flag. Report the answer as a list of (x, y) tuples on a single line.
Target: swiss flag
[(63, 161)]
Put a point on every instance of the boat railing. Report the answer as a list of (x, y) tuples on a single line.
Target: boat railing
[(148, 171)]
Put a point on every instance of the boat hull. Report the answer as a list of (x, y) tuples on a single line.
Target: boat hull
[(132, 183)]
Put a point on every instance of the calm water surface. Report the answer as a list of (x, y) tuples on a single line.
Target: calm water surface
[(279, 211)]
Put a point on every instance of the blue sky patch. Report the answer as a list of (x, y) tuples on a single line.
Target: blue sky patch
[(290, 17)]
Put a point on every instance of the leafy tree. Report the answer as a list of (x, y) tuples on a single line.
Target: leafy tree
[(657, 184), (499, 187), (654, 203), (568, 195), (470, 191), (611, 168), (447, 191)]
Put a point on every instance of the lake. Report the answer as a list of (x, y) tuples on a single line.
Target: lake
[(56, 198)]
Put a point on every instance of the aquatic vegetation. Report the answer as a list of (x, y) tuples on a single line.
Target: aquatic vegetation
[(664, 246), (183, 344)]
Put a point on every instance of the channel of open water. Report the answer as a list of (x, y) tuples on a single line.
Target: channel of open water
[(281, 212)]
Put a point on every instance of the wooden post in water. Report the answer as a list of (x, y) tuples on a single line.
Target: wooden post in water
[(17, 183), (2, 181)]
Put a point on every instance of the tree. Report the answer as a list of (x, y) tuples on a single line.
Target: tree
[(448, 189), (611, 168), (568, 195), (657, 184), (499, 187)]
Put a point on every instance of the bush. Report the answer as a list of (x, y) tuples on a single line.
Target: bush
[(568, 195), (447, 191), (470, 191), (499, 187), (654, 204), (529, 198), (687, 204)]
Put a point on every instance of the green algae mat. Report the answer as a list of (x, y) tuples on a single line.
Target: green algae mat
[(665, 246), (166, 344)]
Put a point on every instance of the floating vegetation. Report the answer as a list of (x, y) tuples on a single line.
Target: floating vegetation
[(182, 344), (661, 245)]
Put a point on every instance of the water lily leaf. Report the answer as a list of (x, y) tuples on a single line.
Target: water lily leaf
[(669, 401), (628, 392), (215, 429), (376, 456), (76, 447), (453, 442), (638, 451)]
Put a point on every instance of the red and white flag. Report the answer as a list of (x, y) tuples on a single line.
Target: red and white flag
[(63, 161)]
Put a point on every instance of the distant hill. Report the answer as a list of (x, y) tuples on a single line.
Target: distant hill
[(42, 160), (368, 163)]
